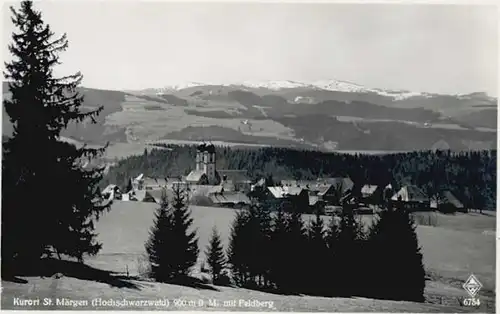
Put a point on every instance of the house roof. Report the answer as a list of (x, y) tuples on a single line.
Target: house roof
[(346, 182), (234, 198), (368, 189), (139, 177), (280, 192), (410, 193), (313, 200), (148, 181), (139, 195), (448, 197), (322, 189), (237, 176), (109, 189), (195, 175), (260, 182)]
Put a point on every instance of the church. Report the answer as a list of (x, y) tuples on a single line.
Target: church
[(206, 172)]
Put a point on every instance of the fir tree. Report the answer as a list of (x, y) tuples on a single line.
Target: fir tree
[(296, 246), (331, 269), (238, 250), (348, 253), (41, 106), (317, 256), (215, 257), (172, 247), (397, 258), (260, 233), (278, 246)]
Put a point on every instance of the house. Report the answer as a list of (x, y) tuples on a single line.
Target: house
[(142, 182), (154, 183), (112, 192), (231, 199), (371, 194), (412, 198), (345, 182), (292, 198), (447, 202), (316, 203), (197, 177), (237, 178), (260, 184)]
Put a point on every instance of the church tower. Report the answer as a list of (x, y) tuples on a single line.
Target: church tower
[(206, 161)]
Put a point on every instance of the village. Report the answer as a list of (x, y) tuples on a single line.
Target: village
[(208, 186)]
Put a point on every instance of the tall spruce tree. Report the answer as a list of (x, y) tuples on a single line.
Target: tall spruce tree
[(34, 219), (397, 258), (215, 257), (278, 245), (296, 244), (331, 269), (239, 255), (172, 247), (317, 250), (260, 233), (348, 253)]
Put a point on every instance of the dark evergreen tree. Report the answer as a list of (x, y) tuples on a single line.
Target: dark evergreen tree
[(34, 219), (215, 257), (129, 186), (331, 269), (349, 253), (238, 250), (397, 258), (279, 251), (317, 257), (172, 247), (295, 248), (261, 250)]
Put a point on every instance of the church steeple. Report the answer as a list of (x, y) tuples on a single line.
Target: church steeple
[(206, 161)]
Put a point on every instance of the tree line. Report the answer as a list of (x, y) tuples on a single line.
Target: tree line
[(470, 175), (275, 250)]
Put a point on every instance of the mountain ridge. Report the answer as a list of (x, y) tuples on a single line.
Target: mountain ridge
[(327, 84), (344, 117)]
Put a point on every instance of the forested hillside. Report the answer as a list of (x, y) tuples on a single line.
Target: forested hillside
[(471, 176)]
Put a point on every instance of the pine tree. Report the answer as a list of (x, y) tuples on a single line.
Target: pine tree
[(331, 269), (260, 233), (317, 256), (41, 106), (238, 252), (215, 257), (397, 257), (349, 253), (296, 246), (278, 245), (172, 247)]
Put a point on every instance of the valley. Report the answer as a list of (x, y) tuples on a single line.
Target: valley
[(327, 115)]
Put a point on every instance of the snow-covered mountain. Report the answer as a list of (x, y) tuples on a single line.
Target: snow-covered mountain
[(276, 85)]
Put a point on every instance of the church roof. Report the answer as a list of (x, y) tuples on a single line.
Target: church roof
[(195, 175), (206, 148)]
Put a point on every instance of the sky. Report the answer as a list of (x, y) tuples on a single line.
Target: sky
[(449, 49)]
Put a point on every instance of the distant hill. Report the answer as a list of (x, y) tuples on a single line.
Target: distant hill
[(328, 115)]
